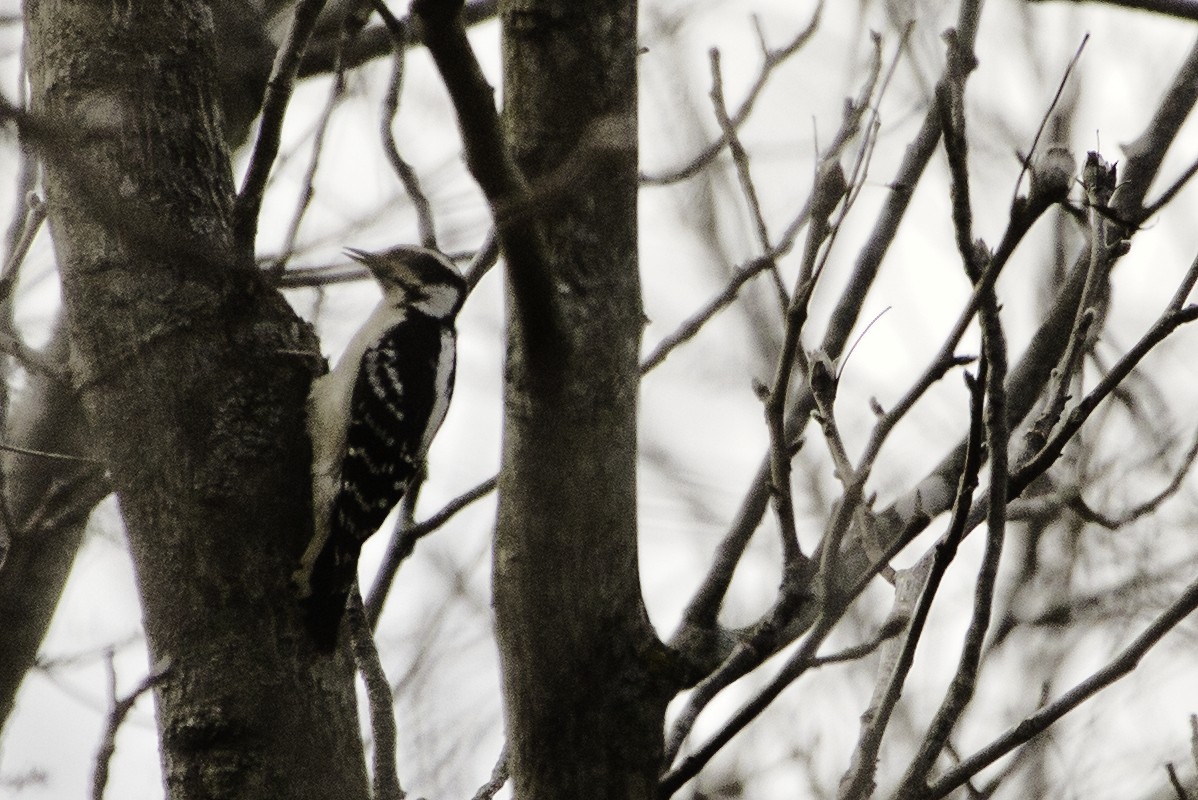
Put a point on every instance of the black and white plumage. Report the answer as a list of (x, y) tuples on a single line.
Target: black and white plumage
[(372, 418)]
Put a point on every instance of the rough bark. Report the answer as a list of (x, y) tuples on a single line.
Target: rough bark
[(49, 500), (185, 365), (584, 701)]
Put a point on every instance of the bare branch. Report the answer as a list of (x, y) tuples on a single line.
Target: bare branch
[(1172, 190), (688, 329), (499, 776), (702, 644), (1185, 9), (25, 451), (701, 612), (744, 175), (306, 191), (403, 170), (772, 59), (828, 191), (1099, 180), (379, 40), (1175, 782), (994, 348), (379, 697), (1031, 153), (1173, 317), (270, 130), (403, 542), (494, 169), (1120, 666), (31, 359), (1078, 505), (1146, 153), (116, 716), (922, 580), (485, 258), (803, 659), (35, 214)]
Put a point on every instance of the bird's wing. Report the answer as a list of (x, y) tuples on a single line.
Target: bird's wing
[(392, 410)]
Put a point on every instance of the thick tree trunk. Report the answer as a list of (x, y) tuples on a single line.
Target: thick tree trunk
[(584, 708), (185, 364), (50, 500)]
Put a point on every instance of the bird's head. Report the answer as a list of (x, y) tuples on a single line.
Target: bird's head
[(416, 276)]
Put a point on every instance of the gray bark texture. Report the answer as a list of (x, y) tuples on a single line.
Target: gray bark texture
[(185, 365), (582, 669), (48, 501)]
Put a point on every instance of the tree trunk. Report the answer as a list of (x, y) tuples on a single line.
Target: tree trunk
[(186, 365), (584, 705)]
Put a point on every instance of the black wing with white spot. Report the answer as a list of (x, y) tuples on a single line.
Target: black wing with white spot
[(391, 412), (399, 399)]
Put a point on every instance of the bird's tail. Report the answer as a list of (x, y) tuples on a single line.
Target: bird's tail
[(323, 598)]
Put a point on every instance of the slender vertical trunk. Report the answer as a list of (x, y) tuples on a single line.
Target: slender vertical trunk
[(584, 710)]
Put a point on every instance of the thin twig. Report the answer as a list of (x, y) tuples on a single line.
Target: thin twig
[(25, 451), (403, 170), (964, 681), (29, 212), (379, 698), (1032, 465), (378, 41), (690, 766), (1079, 506), (803, 659), (1174, 315), (1185, 9), (925, 578), (499, 776), (770, 62), (1118, 667), (1028, 378), (701, 611), (740, 160), (486, 257), (1175, 782), (1099, 179), (1167, 196), (693, 324), (1031, 153), (34, 216), (116, 716), (403, 542), (766, 636), (307, 191), (1146, 152), (270, 128), (31, 359), (825, 195), (961, 687)]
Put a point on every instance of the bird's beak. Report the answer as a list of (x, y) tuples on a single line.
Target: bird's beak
[(369, 260), (385, 266)]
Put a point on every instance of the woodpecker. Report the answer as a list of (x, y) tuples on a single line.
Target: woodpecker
[(371, 420)]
